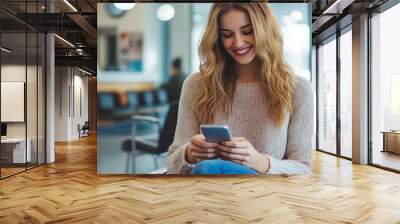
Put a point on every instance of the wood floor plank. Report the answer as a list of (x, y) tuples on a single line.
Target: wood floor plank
[(70, 191)]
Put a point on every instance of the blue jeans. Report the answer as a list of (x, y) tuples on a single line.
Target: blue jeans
[(219, 166)]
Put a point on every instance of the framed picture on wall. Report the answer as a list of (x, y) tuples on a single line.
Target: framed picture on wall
[(131, 51)]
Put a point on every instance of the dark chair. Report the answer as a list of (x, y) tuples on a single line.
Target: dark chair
[(153, 103), (154, 144), (146, 99), (84, 130), (160, 97)]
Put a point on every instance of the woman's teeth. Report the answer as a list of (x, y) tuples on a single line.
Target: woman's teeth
[(242, 51)]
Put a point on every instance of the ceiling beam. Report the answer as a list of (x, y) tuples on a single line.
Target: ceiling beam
[(337, 7), (84, 61), (84, 24)]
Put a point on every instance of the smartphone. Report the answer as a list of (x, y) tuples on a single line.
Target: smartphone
[(216, 133)]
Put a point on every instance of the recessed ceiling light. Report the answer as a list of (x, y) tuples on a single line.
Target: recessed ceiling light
[(84, 71), (124, 6), (64, 40), (165, 12), (70, 5), (5, 50)]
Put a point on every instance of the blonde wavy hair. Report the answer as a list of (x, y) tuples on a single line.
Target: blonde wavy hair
[(217, 79)]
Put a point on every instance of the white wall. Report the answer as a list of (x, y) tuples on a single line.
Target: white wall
[(132, 20), (14, 73), (61, 103), (81, 94), (33, 126), (180, 35), (142, 18), (70, 83), (152, 43), (17, 73)]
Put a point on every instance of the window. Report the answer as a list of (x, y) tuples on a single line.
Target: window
[(385, 87), (327, 96), (346, 94)]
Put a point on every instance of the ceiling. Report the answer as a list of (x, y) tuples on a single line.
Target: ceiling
[(77, 25), (330, 15)]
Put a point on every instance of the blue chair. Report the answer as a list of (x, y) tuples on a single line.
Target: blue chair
[(106, 104), (106, 101), (133, 100), (131, 107)]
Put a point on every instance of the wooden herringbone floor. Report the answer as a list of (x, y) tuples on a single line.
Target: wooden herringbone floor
[(70, 191)]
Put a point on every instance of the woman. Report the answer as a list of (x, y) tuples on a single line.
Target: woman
[(243, 83)]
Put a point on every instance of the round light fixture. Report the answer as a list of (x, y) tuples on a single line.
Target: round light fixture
[(297, 16), (165, 12), (124, 6)]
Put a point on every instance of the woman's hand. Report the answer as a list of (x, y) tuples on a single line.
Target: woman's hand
[(199, 149), (239, 150)]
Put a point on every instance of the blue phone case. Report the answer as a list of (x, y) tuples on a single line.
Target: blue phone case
[(216, 133)]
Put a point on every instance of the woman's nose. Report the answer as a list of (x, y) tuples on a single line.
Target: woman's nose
[(238, 41)]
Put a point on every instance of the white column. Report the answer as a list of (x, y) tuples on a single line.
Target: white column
[(50, 101), (63, 102), (360, 90)]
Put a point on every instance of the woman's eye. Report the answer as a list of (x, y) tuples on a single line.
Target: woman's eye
[(247, 32), (225, 35)]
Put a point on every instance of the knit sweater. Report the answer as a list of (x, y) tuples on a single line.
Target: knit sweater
[(288, 146)]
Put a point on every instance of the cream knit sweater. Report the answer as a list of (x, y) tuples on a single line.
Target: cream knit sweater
[(288, 146)]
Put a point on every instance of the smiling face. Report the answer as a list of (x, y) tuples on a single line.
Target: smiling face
[(237, 36)]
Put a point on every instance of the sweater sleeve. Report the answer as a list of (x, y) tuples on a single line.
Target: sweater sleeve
[(297, 158), (186, 127)]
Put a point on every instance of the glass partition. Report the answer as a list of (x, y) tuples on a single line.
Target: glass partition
[(13, 105), (22, 87)]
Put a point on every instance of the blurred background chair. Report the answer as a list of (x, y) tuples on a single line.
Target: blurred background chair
[(106, 104), (146, 99), (153, 102), (155, 144), (132, 105), (160, 97)]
